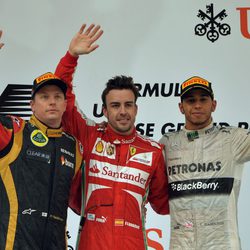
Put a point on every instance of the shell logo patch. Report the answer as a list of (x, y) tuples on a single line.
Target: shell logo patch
[(104, 148), (132, 151), (99, 147), (38, 138)]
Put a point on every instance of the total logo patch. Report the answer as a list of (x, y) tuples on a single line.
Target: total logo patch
[(38, 138)]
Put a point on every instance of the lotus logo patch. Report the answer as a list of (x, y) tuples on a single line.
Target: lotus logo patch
[(38, 138)]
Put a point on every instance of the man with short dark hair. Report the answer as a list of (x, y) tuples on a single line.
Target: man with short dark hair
[(204, 164), (123, 169), (38, 162)]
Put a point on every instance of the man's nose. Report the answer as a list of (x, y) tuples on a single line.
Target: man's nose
[(52, 100), (197, 104), (123, 109)]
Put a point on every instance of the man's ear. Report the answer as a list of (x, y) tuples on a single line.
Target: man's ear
[(32, 106), (181, 108), (214, 105), (105, 112), (65, 104)]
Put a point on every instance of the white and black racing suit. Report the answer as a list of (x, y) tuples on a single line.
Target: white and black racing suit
[(204, 173)]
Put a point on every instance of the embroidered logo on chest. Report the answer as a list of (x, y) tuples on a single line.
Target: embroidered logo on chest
[(38, 138), (103, 148)]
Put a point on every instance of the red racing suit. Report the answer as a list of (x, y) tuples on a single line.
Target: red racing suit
[(122, 174)]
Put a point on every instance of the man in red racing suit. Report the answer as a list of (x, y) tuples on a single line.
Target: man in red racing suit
[(123, 170)]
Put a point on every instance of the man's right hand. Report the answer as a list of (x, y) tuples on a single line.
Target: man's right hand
[(84, 40)]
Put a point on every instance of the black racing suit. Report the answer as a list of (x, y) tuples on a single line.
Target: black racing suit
[(37, 165)]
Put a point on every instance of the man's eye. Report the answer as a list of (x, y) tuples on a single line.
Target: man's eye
[(190, 100), (205, 98), (129, 105)]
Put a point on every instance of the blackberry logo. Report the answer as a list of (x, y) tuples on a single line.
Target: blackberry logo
[(223, 185), (212, 27), (173, 186)]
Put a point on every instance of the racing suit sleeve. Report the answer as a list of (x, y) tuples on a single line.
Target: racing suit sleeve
[(8, 126), (5, 135), (158, 190), (75, 193), (241, 145), (74, 121), (78, 183)]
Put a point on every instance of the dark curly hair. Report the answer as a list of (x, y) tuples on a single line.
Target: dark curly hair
[(119, 82)]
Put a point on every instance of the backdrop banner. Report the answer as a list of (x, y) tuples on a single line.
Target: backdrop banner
[(159, 43)]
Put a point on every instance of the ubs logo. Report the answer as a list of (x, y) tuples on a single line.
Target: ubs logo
[(212, 25)]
